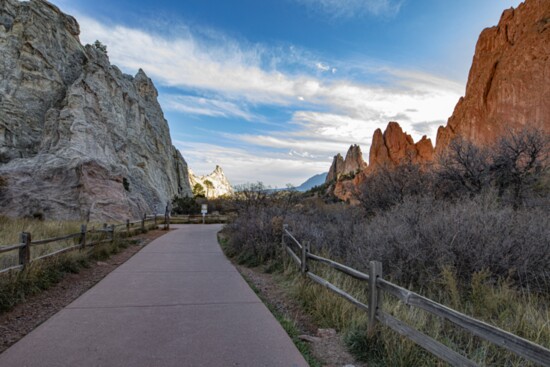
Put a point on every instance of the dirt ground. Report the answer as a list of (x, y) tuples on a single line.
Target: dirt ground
[(326, 344), (26, 316)]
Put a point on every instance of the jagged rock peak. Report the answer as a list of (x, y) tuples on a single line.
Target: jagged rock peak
[(354, 160), (214, 184), (509, 82), (394, 147), (352, 164), (83, 140), (336, 168)]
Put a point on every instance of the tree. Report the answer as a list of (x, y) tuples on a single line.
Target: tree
[(520, 163), (185, 205), (464, 169), (198, 190), (250, 195), (209, 186)]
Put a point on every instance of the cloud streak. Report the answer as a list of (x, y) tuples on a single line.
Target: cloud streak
[(205, 106), (353, 8)]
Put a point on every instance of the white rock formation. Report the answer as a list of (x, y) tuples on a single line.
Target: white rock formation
[(215, 184), (78, 138)]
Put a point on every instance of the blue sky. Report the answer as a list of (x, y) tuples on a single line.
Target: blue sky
[(272, 89)]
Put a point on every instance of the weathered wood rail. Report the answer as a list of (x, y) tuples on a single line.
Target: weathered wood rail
[(378, 286), (86, 238)]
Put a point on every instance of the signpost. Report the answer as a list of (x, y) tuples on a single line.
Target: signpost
[(204, 210)]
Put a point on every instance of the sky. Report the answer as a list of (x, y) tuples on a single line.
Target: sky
[(271, 90)]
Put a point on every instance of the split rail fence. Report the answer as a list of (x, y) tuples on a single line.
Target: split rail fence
[(84, 239), (377, 286)]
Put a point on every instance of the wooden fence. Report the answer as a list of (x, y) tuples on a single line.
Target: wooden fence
[(197, 219), (84, 239), (377, 286)]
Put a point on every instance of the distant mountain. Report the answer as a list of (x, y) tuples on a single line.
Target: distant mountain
[(311, 182)]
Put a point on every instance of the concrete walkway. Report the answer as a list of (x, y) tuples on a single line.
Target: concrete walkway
[(178, 302)]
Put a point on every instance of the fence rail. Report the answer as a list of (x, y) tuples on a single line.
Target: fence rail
[(84, 237), (377, 286)]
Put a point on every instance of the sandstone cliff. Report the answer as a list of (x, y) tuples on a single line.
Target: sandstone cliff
[(78, 138), (509, 83), (214, 184), (395, 147), (352, 164), (508, 89)]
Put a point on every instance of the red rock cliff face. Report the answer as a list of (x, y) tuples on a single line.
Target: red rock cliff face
[(509, 83), (395, 147)]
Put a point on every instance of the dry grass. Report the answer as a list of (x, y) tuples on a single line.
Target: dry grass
[(499, 304), (10, 229)]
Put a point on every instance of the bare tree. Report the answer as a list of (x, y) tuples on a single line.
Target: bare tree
[(463, 169), (520, 163)]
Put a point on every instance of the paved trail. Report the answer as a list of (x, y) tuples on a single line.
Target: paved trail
[(178, 302)]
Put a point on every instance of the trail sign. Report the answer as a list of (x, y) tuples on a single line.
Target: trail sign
[(204, 208)]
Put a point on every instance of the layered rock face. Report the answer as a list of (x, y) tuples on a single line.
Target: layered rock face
[(509, 83), (352, 164), (78, 138), (395, 147), (214, 184)]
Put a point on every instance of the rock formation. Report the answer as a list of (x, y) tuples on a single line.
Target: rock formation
[(508, 89), (352, 164), (214, 185), (354, 160), (78, 138), (509, 83), (395, 147), (336, 168)]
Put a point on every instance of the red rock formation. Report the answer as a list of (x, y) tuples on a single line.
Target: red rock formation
[(354, 160), (394, 147), (509, 83), (353, 163)]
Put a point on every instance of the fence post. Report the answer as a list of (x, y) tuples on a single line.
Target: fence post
[(305, 250), (283, 242), (143, 223), (112, 233), (25, 251), (167, 217), (83, 236), (128, 227), (375, 295)]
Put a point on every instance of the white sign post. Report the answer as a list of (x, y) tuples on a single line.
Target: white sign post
[(204, 210)]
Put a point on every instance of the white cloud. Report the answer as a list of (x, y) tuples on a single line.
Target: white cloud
[(204, 106), (322, 67), (353, 8), (242, 166)]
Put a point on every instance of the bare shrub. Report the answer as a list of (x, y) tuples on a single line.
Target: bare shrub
[(389, 186)]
